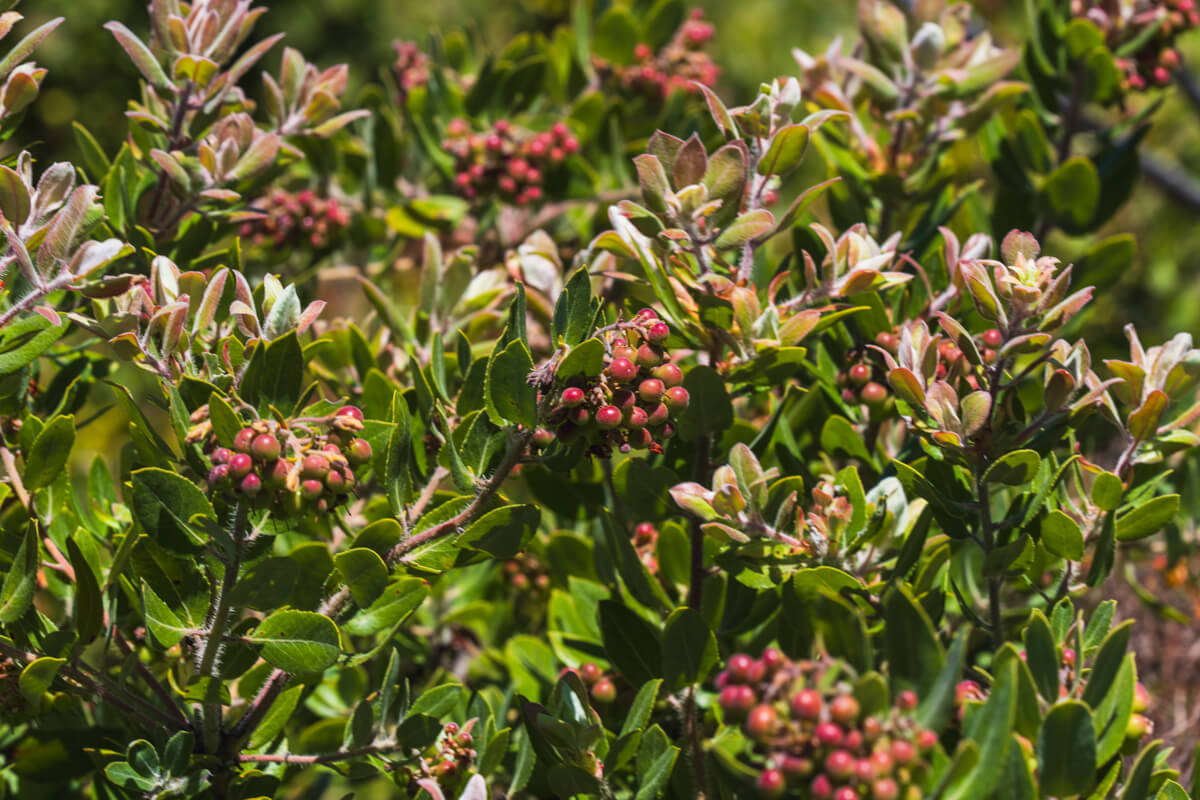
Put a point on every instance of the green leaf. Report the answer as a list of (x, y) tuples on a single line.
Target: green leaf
[(654, 779), (16, 593), (631, 643), (276, 718), (275, 374), (398, 600), (36, 679), (787, 149), (88, 603), (616, 34), (1015, 468), (1066, 750), (141, 56), (689, 649), (50, 452), (710, 410), (914, 652), (1147, 518), (502, 532), (1041, 654), (991, 728), (837, 434), (510, 398), (164, 624), (746, 228), (24, 339), (1107, 491), (1073, 190), (364, 573), (641, 708), (166, 503), (299, 642), (267, 585), (1137, 786), (1107, 664), (1062, 536), (585, 358)]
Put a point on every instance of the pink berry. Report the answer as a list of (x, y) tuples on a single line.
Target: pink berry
[(243, 440), (821, 788), (903, 752), (590, 673), (736, 701), (240, 465), (677, 398), (649, 355), (828, 733), (265, 447), (311, 489), (806, 704), (314, 466), (885, 789), (771, 783), (604, 691), (560, 130), (762, 722), (572, 396), (846, 793), (859, 374), (622, 369), (669, 374), (658, 333), (651, 390), (840, 764), (350, 411), (873, 394), (221, 455), (359, 452), (608, 417), (906, 700), (251, 485)]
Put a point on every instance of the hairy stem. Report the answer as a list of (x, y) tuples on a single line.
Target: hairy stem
[(212, 644)]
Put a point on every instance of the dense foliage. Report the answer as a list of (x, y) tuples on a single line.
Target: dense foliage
[(530, 425)]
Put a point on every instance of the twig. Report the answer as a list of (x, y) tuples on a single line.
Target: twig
[(151, 680), (63, 281), (323, 758), (208, 655), (14, 477), (427, 494)]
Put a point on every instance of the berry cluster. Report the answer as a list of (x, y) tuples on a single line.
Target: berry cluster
[(645, 542), (411, 67), (450, 760), (1156, 58), (630, 403), (812, 736), (506, 162), (678, 65), (286, 469), (296, 219), (527, 574), (603, 686)]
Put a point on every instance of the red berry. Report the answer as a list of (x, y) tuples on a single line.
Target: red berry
[(359, 452), (873, 394), (736, 701), (636, 418), (926, 740), (590, 673), (864, 770), (240, 465), (218, 476), (251, 485), (243, 440), (336, 482), (657, 415), (622, 369), (844, 709), (265, 447), (740, 667), (658, 333), (350, 411), (771, 783), (853, 740), (883, 763), (649, 355), (221, 455), (311, 489), (821, 788), (625, 351), (806, 704), (906, 700), (859, 374), (560, 130), (580, 416), (871, 729), (640, 438), (651, 390), (1141, 698), (608, 417), (571, 144), (314, 466), (903, 752), (572, 396), (677, 398), (846, 793), (543, 437), (275, 475), (795, 766), (840, 764), (828, 734), (645, 532), (992, 338), (604, 691), (888, 341), (762, 722), (669, 374), (885, 789)]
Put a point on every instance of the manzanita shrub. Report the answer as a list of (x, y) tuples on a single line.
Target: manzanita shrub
[(649, 465)]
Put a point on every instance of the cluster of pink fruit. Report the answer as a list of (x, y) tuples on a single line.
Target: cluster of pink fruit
[(410, 68), (678, 65), (451, 759), (812, 738), (506, 161), (1152, 26), (645, 542), (630, 404), (290, 470), (295, 219)]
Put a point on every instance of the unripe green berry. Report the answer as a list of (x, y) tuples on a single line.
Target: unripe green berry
[(649, 355), (265, 447), (359, 452)]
